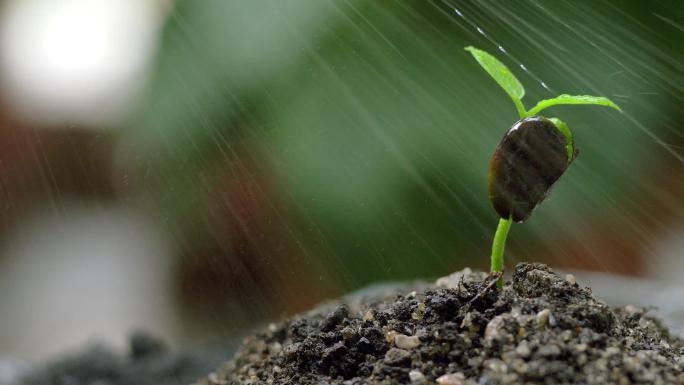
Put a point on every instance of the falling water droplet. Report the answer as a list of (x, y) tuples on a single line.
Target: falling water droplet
[(501, 48)]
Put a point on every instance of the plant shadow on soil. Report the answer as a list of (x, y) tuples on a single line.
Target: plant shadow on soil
[(541, 328)]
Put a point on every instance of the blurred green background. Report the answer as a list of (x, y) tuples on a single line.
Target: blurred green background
[(360, 132), (292, 151), (367, 129)]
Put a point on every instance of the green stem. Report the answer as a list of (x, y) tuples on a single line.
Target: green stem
[(499, 245), (535, 110), (520, 107)]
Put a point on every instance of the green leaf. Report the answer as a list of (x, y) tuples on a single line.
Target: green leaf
[(569, 141), (503, 76), (572, 99)]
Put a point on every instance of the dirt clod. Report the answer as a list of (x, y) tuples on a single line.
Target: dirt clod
[(541, 328)]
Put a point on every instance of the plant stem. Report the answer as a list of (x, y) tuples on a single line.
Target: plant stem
[(520, 107), (498, 247)]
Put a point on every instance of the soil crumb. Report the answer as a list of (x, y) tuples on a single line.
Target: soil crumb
[(540, 329)]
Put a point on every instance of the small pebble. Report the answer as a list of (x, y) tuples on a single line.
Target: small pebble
[(419, 313), (629, 341), (496, 365), (275, 348), (519, 366), (569, 278), (509, 356), (416, 376), (567, 335), (475, 361), (601, 364), (452, 379), (215, 380), (631, 309), (494, 328), (612, 350), (390, 336), (543, 317), (406, 342), (421, 332), (549, 351), (347, 333), (397, 357), (582, 359), (467, 321), (632, 363), (581, 347), (523, 349)]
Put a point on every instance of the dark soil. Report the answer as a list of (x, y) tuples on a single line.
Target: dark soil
[(149, 362), (540, 329)]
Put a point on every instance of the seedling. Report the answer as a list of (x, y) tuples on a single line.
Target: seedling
[(530, 158)]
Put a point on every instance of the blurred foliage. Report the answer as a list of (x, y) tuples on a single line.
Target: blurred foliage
[(374, 127)]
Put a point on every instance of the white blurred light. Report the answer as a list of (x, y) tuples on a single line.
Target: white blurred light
[(84, 275), (76, 61)]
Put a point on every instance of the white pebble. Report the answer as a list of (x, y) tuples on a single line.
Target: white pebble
[(369, 316), (452, 379), (416, 376), (523, 349), (275, 348), (406, 342), (494, 328), (569, 278), (631, 309), (543, 317), (467, 321)]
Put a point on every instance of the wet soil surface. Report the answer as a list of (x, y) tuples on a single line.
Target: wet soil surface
[(540, 329)]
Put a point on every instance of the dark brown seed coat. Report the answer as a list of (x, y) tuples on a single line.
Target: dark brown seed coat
[(527, 162)]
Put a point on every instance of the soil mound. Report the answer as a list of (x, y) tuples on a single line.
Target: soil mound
[(540, 329)]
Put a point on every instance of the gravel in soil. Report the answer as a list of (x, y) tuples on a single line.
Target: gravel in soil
[(540, 329)]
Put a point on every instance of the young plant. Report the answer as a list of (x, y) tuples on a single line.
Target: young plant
[(530, 158)]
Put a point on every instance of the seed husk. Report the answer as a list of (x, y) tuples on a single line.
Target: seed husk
[(530, 158)]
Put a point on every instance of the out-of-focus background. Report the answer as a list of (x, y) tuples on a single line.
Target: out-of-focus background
[(195, 168)]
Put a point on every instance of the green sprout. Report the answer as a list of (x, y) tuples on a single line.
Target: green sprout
[(530, 158)]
